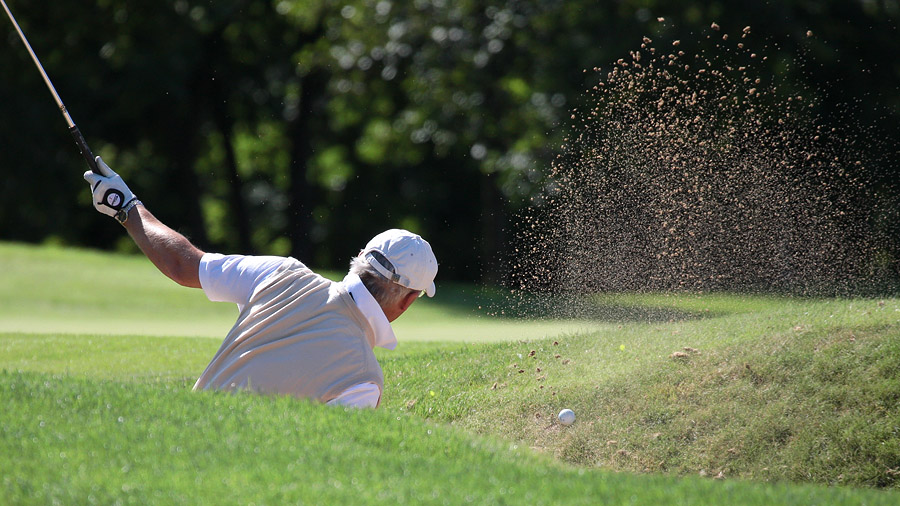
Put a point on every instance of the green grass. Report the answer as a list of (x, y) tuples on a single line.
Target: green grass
[(68, 290), (793, 401), (54, 289), (806, 391), (71, 441)]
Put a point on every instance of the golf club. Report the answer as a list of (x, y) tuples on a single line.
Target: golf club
[(76, 134)]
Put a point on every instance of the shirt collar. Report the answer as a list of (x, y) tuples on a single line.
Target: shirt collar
[(368, 306)]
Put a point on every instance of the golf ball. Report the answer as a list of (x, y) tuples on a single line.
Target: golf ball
[(566, 417)]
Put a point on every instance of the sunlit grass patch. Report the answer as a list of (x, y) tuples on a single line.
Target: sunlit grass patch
[(73, 291), (70, 440)]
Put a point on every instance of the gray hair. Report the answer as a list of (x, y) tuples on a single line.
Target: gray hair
[(385, 291)]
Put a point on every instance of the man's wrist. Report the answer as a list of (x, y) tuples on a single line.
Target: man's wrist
[(122, 215)]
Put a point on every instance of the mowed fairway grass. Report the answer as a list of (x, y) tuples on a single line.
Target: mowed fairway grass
[(688, 399)]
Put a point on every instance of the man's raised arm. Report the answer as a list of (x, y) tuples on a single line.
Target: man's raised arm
[(169, 251)]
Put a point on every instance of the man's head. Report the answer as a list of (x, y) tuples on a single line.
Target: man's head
[(396, 266)]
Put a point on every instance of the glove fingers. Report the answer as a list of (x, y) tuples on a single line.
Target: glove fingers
[(92, 179), (104, 169)]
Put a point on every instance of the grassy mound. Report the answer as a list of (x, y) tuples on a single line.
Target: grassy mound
[(68, 440), (804, 391)]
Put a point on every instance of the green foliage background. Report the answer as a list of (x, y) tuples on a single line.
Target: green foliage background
[(304, 127)]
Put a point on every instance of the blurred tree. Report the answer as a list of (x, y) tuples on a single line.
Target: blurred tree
[(454, 108), (306, 126)]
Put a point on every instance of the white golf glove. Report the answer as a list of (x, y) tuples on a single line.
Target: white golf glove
[(111, 195)]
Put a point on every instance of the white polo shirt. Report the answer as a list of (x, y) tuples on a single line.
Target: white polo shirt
[(233, 278)]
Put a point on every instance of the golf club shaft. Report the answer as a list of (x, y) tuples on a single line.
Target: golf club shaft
[(76, 134)]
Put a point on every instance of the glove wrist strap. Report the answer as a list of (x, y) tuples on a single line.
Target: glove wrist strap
[(122, 215)]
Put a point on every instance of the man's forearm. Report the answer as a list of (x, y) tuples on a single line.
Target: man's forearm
[(169, 251)]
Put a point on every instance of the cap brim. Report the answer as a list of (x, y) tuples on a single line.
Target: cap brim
[(430, 290)]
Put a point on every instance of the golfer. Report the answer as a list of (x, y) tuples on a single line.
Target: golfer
[(297, 333)]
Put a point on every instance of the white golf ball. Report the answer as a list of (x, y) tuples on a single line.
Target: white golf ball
[(566, 417)]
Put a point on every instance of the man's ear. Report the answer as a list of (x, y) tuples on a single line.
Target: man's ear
[(408, 300)]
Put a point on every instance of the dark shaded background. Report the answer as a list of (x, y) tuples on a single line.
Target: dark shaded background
[(305, 127)]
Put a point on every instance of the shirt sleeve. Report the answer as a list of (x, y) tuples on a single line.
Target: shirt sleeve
[(364, 395), (232, 278)]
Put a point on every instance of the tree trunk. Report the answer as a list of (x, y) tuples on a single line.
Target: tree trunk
[(493, 223), (300, 192), (238, 208), (182, 139)]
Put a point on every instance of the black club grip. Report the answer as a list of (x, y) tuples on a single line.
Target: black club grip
[(85, 150)]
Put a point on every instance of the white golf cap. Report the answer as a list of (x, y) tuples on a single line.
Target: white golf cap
[(404, 258)]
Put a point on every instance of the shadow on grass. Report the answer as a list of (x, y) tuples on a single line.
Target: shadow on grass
[(611, 312), (467, 300)]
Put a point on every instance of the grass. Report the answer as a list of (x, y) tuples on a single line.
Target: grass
[(55, 289), (92, 441), (816, 403), (789, 401), (68, 290)]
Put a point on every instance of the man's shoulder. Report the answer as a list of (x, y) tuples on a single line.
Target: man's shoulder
[(235, 278), (291, 272)]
